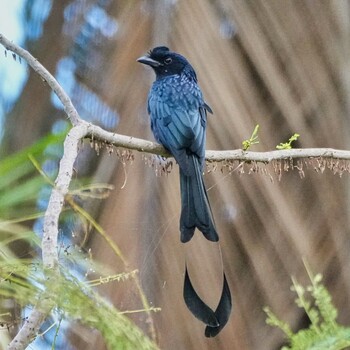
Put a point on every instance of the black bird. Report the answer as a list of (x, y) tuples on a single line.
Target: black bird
[(178, 121)]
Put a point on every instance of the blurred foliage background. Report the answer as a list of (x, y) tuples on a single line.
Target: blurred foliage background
[(281, 64)]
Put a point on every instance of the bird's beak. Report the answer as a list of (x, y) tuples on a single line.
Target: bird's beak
[(149, 61)]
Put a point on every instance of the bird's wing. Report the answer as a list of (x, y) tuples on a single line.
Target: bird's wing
[(180, 129)]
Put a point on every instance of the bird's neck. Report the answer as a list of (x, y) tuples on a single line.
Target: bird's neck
[(184, 75)]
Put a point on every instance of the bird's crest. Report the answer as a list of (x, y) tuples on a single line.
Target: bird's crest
[(158, 50)]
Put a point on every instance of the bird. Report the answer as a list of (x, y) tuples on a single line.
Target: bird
[(178, 121), (178, 115)]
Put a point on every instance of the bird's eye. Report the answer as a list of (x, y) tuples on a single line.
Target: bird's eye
[(168, 60)]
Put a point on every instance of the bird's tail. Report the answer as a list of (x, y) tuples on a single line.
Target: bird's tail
[(195, 211)]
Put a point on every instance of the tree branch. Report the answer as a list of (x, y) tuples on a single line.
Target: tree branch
[(267, 157), (140, 145), (59, 191), (46, 76), (29, 329), (133, 143), (81, 129)]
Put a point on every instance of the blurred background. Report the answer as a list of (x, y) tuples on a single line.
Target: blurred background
[(281, 64)]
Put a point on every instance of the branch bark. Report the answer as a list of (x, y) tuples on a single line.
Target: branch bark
[(133, 143), (81, 129)]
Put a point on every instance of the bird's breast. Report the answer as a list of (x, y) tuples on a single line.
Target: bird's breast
[(177, 92)]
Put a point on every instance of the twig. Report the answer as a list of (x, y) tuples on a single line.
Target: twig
[(46, 76), (29, 329)]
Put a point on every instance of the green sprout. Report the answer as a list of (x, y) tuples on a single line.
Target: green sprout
[(288, 145), (253, 140), (323, 332)]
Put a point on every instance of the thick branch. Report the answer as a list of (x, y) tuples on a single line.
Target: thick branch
[(55, 205)]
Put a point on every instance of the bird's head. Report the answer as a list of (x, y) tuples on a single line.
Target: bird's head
[(165, 62)]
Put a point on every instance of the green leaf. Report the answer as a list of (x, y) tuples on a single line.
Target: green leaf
[(13, 161), (253, 140), (288, 145), (20, 181)]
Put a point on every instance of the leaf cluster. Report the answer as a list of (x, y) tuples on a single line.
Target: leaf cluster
[(324, 333), (288, 144)]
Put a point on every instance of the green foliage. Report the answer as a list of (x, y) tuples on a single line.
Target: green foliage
[(324, 333), (253, 140), (288, 145), (20, 182), (74, 300)]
